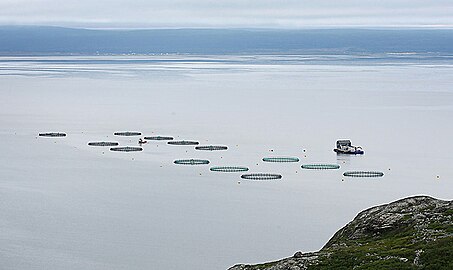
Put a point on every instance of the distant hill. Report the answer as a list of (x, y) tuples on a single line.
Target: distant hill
[(412, 233), (19, 40)]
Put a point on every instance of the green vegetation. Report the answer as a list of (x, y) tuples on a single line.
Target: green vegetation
[(265, 265), (391, 251), (413, 233), (438, 254)]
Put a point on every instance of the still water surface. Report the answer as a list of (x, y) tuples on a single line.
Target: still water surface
[(65, 205)]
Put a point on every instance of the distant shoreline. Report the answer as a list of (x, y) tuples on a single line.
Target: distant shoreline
[(44, 40)]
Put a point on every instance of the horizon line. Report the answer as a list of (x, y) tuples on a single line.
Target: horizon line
[(311, 27)]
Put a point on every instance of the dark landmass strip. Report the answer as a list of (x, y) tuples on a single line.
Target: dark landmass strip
[(412, 233), (30, 40)]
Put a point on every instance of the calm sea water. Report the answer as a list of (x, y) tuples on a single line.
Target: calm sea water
[(64, 205)]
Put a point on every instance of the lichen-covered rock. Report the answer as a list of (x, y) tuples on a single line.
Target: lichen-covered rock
[(412, 233), (300, 261), (415, 212)]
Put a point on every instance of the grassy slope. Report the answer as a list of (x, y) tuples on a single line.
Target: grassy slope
[(417, 234)]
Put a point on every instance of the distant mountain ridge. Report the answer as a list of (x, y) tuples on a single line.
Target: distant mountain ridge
[(29, 40), (411, 233)]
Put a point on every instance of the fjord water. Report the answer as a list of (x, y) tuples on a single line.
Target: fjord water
[(65, 205)]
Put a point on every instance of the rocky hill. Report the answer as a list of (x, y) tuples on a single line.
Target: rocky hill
[(412, 233)]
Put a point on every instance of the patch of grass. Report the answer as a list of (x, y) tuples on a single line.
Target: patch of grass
[(406, 217), (379, 252), (441, 226), (438, 255)]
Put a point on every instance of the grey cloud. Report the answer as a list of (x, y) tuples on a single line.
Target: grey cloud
[(233, 13)]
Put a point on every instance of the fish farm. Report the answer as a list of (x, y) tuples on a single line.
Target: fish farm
[(127, 133), (363, 174), (159, 138), (126, 149), (103, 143), (52, 134), (115, 147), (320, 166), (183, 143), (191, 161), (281, 159), (211, 147), (261, 176), (229, 169)]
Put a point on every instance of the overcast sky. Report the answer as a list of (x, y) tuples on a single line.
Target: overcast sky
[(231, 13)]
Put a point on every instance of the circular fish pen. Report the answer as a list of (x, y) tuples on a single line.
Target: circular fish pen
[(183, 143), (320, 166), (126, 149), (229, 169), (191, 161), (127, 133), (281, 159), (52, 134), (103, 143), (211, 147), (363, 174), (159, 138), (261, 176)]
